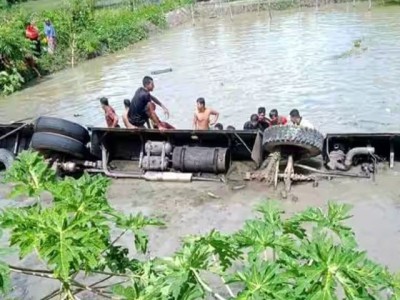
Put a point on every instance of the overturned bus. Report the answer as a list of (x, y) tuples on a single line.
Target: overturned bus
[(278, 154)]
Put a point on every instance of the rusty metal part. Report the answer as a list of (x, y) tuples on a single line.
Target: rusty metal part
[(154, 163), (149, 176), (336, 160), (168, 176), (14, 131), (157, 148), (257, 151), (201, 159), (289, 171), (298, 177), (334, 174), (357, 151)]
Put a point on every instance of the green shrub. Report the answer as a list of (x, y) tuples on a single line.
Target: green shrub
[(82, 33)]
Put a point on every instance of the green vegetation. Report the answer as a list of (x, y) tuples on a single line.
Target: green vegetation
[(271, 257), (83, 32)]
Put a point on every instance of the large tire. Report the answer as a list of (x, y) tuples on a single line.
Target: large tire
[(63, 127), (53, 142), (299, 141), (6, 159)]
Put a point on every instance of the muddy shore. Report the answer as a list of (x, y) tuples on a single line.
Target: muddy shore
[(190, 209)]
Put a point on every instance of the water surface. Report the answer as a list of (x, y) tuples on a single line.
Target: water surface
[(295, 61)]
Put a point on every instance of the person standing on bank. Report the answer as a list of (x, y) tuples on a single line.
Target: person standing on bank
[(109, 113), (50, 36), (140, 109)]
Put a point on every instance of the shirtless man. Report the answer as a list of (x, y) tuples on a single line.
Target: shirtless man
[(202, 116)]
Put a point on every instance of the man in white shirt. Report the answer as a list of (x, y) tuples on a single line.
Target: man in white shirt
[(296, 119)]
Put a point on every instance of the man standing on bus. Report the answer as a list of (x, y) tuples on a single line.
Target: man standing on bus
[(140, 110)]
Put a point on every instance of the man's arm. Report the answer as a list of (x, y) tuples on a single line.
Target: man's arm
[(115, 120), (216, 114), (158, 102), (195, 121), (153, 117)]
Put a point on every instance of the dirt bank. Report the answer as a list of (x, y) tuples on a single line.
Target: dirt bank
[(189, 209)]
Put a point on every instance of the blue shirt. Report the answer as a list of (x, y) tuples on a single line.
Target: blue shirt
[(49, 31)]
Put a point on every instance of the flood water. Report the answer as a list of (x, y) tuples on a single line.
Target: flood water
[(302, 59)]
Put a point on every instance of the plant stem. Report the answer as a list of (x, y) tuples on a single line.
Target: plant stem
[(223, 280), (205, 286), (90, 289), (116, 240), (110, 274), (112, 284), (93, 284), (52, 294), (118, 237), (32, 272)]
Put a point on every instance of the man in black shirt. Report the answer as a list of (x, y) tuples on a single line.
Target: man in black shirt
[(140, 110), (253, 124)]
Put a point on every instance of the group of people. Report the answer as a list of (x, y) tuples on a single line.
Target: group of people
[(261, 122), (33, 35), (141, 111)]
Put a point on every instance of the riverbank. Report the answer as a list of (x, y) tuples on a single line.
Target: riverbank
[(228, 208), (83, 32)]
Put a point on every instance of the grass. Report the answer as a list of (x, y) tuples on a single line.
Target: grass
[(42, 5)]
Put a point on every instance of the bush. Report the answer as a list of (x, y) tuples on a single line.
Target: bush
[(311, 255), (82, 33)]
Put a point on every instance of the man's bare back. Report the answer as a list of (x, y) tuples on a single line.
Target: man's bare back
[(202, 116)]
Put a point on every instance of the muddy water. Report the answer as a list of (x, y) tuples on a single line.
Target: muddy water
[(302, 59)]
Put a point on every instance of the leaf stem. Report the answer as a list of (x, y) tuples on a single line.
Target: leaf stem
[(32, 272), (205, 286), (223, 280), (110, 274), (91, 289), (52, 294), (118, 237)]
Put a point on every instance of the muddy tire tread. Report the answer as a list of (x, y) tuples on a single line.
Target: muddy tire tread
[(62, 127), (53, 142), (6, 158), (309, 141)]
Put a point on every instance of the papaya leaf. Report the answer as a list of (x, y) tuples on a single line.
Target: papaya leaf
[(5, 283), (30, 174), (136, 224)]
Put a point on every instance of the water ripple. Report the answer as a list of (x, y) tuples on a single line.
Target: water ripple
[(294, 62)]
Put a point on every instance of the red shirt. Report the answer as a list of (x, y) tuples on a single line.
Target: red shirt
[(278, 121), (111, 116), (31, 32)]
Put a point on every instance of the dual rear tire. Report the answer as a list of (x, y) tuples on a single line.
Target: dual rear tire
[(54, 135)]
